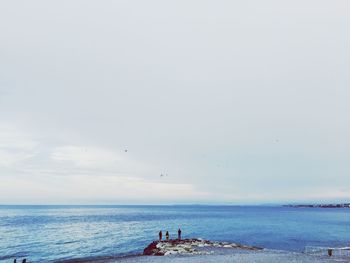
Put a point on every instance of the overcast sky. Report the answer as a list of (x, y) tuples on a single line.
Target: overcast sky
[(162, 102)]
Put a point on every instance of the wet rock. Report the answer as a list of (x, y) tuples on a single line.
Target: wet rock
[(151, 249)]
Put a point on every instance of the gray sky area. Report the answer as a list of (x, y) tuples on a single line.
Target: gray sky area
[(162, 102)]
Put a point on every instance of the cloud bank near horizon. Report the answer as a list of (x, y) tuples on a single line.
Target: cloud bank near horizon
[(174, 102)]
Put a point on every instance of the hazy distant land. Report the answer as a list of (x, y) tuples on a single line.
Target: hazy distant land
[(345, 205)]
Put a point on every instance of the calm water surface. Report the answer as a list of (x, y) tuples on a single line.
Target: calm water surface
[(50, 233)]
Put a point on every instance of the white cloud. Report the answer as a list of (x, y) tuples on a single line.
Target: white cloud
[(85, 156), (101, 189), (8, 159), (15, 146), (12, 137)]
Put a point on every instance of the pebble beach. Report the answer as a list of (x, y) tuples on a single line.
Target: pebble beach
[(228, 256)]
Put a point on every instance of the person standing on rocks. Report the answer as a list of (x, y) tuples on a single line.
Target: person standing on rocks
[(160, 235), (179, 234), (167, 236)]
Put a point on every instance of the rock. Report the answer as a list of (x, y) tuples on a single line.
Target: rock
[(151, 249), (188, 246)]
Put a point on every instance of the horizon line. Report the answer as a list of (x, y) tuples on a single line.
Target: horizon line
[(188, 204)]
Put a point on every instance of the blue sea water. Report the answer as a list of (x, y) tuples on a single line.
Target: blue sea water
[(53, 233)]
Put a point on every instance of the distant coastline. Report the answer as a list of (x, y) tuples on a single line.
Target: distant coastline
[(345, 205)]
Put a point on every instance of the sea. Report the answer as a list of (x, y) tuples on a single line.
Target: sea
[(61, 233)]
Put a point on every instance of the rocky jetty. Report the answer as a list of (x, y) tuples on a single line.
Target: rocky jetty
[(189, 246)]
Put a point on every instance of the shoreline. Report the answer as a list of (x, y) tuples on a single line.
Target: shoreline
[(179, 251), (220, 255)]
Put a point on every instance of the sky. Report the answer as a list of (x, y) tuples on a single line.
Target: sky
[(174, 102)]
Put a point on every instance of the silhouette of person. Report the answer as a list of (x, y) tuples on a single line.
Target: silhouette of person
[(160, 235), (24, 261), (15, 260), (179, 234), (167, 236)]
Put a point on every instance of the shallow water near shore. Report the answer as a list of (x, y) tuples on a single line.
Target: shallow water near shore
[(52, 233)]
